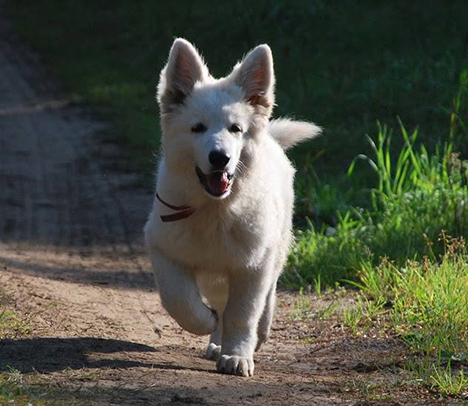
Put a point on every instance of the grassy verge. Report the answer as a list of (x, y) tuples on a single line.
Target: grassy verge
[(426, 304), (418, 195), (406, 253)]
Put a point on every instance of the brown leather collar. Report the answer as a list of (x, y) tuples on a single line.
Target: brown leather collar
[(183, 211)]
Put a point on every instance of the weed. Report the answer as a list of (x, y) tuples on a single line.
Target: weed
[(11, 384), (438, 377), (364, 314), (326, 312), (458, 129), (445, 381), (303, 309), (11, 325), (352, 319), (83, 374), (15, 391)]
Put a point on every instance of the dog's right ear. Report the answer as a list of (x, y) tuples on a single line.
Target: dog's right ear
[(184, 68), (256, 78)]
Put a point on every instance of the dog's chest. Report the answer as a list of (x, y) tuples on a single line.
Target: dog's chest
[(212, 242)]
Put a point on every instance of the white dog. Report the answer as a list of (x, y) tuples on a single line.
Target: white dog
[(220, 229)]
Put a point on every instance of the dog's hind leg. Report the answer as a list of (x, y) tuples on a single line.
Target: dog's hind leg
[(213, 351), (264, 325), (181, 297)]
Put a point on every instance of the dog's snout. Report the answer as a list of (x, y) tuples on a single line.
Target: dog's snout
[(219, 159)]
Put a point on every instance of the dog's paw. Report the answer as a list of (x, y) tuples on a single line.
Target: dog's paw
[(213, 351), (235, 365)]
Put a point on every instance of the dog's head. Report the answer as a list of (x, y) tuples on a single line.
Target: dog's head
[(206, 122)]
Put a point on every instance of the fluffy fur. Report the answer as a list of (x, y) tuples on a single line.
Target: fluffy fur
[(217, 269)]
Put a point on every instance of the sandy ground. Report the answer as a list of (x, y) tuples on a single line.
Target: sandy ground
[(73, 265)]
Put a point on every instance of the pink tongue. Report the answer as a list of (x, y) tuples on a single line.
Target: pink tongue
[(218, 182)]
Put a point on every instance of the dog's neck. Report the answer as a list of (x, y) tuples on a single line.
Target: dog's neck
[(180, 212)]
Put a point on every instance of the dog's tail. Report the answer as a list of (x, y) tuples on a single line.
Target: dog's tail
[(289, 133)]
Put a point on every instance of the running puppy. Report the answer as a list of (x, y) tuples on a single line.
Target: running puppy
[(220, 229)]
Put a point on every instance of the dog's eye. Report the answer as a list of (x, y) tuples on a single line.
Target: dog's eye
[(199, 128), (235, 128)]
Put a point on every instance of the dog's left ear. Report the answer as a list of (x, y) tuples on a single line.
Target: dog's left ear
[(256, 77), (184, 68)]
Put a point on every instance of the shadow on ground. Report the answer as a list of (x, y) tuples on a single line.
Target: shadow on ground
[(102, 277), (56, 354), (245, 392)]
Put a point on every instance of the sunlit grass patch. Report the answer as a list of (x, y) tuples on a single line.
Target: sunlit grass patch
[(426, 304), (429, 300), (449, 382), (412, 276), (16, 391), (417, 196), (12, 325), (439, 376), (304, 307)]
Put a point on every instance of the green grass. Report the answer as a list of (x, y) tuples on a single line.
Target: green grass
[(413, 276), (15, 388), (15, 391), (417, 196), (438, 376), (429, 300), (447, 382), (342, 67), (426, 304), (11, 325)]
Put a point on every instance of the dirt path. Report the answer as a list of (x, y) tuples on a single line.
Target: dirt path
[(72, 264)]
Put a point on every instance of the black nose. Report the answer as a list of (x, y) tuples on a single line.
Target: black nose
[(219, 159)]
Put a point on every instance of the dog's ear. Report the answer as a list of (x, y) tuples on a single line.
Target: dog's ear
[(256, 78), (184, 68)]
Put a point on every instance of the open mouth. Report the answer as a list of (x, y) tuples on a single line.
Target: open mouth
[(217, 183)]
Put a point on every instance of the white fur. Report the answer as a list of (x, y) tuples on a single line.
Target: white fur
[(217, 269), (289, 133)]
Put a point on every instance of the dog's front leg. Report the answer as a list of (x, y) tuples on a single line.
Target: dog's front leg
[(247, 296), (181, 298)]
